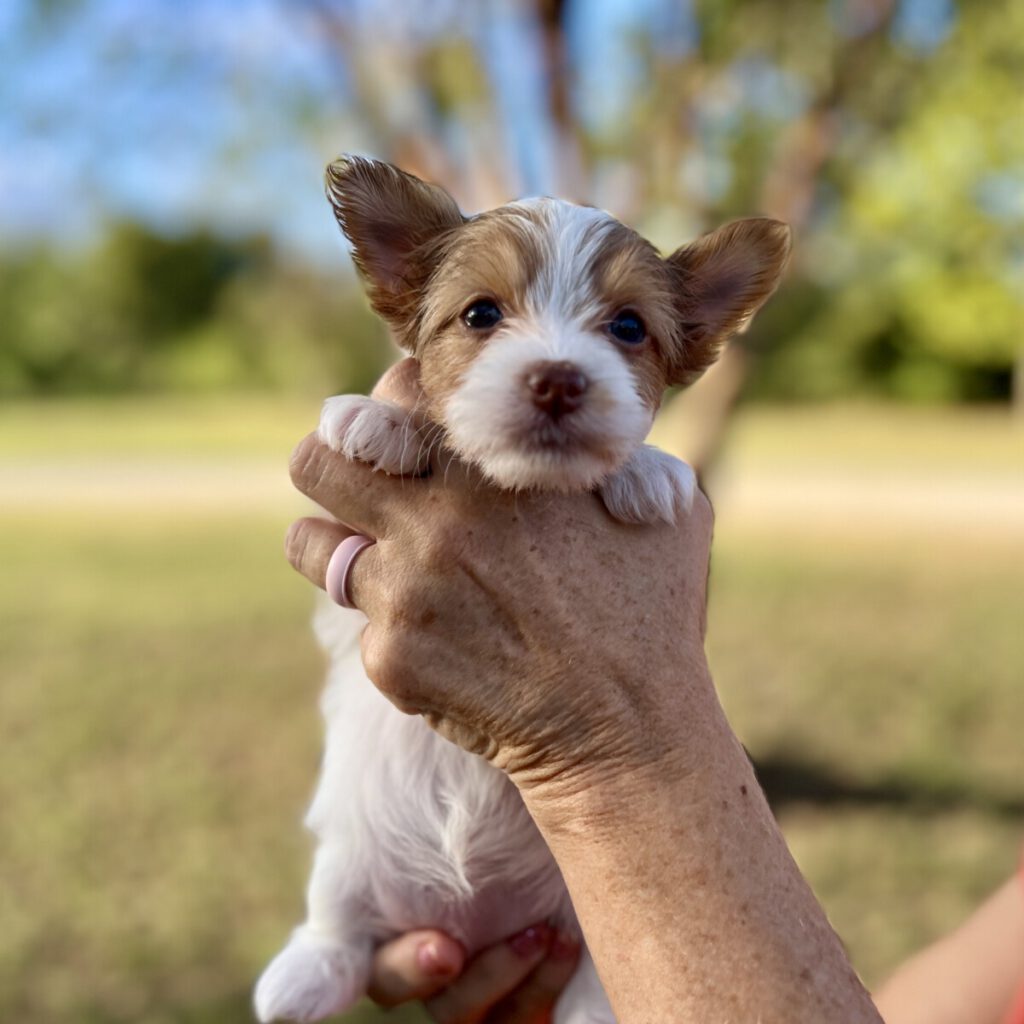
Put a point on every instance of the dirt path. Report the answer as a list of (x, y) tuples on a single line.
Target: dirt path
[(751, 497)]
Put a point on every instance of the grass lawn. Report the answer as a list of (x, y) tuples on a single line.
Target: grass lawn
[(158, 687)]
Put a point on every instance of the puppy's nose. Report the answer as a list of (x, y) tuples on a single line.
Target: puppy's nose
[(556, 388)]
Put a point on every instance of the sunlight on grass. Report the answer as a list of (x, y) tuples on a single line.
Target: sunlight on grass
[(157, 425), (161, 736)]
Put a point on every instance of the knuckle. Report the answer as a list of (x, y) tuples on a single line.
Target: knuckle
[(388, 667), (440, 545), (405, 585), (306, 465), (408, 599), (296, 542)]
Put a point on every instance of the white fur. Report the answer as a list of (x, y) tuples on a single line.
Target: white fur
[(650, 486), (571, 236), (492, 422), (375, 432), (412, 831)]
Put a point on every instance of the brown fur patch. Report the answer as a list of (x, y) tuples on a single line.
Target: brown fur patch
[(399, 228), (629, 274), (496, 255), (723, 279)]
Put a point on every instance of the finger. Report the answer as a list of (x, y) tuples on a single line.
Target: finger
[(351, 491), (533, 1001), (490, 977), (415, 966), (400, 385), (309, 545)]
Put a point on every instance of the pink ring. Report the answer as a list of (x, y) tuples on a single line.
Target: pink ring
[(339, 568)]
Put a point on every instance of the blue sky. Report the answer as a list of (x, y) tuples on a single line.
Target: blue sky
[(174, 112), (223, 112)]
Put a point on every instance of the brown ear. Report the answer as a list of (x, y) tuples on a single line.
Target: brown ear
[(396, 224), (724, 279)]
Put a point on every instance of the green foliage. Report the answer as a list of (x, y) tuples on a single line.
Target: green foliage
[(140, 311), (911, 282), (899, 163)]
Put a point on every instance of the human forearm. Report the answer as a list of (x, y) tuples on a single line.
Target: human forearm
[(968, 977), (691, 904)]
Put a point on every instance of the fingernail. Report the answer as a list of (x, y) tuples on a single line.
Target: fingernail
[(531, 940), (433, 961), (564, 947)]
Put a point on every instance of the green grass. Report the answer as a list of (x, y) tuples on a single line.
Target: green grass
[(158, 690), (234, 426), (856, 436)]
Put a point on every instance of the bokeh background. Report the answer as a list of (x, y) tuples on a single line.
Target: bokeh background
[(175, 301)]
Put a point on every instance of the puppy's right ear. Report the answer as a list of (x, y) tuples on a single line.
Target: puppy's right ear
[(395, 223)]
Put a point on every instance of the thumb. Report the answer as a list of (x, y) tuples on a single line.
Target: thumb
[(401, 384), (416, 965)]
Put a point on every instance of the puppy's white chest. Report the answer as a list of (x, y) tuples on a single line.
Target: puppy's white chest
[(438, 837)]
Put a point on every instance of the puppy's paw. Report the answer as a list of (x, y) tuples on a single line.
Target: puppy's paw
[(374, 432), (313, 977), (650, 487)]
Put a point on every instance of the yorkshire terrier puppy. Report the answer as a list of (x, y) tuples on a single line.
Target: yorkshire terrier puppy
[(546, 333)]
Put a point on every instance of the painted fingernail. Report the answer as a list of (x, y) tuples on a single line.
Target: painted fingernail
[(434, 961), (531, 940), (564, 947)]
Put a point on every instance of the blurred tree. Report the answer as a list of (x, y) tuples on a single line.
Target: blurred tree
[(887, 132), (880, 131), (140, 310), (917, 257)]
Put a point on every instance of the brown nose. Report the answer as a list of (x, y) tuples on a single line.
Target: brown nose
[(556, 388)]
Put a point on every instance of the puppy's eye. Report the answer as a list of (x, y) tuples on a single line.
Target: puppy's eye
[(628, 328), (482, 315)]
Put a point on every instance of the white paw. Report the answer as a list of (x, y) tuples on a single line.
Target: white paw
[(373, 432), (651, 486), (313, 977)]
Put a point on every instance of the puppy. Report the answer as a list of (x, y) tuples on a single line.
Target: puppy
[(546, 333)]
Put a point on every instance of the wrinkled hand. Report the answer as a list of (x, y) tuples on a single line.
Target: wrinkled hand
[(530, 628), (514, 982)]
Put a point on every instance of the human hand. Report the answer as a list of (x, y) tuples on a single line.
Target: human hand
[(513, 982), (530, 628)]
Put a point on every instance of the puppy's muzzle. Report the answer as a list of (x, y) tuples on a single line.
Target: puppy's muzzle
[(556, 389)]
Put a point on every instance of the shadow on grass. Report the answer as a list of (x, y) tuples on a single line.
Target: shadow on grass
[(790, 781)]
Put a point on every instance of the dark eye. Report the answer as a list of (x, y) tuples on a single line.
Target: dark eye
[(627, 327), (481, 315)]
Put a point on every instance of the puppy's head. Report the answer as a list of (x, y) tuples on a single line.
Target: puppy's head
[(546, 332)]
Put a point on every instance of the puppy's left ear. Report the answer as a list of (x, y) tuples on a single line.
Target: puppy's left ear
[(724, 278), (396, 224)]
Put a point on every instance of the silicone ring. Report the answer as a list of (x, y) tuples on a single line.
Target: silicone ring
[(339, 568)]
